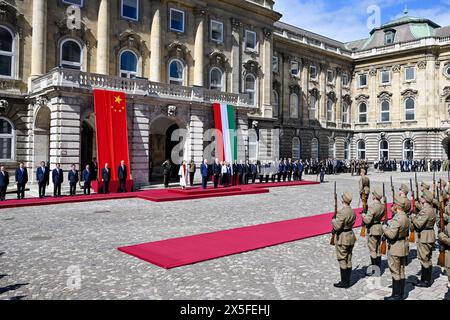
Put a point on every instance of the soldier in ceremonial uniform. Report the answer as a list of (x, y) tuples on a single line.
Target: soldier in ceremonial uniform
[(424, 225), (404, 191), (345, 239), (364, 186), (372, 219), (444, 238), (396, 231)]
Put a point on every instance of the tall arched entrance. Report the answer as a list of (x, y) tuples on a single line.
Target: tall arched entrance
[(162, 147), (446, 146), (88, 141), (41, 141)]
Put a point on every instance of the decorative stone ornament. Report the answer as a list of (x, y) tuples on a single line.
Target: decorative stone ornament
[(41, 101), (3, 105), (171, 111)]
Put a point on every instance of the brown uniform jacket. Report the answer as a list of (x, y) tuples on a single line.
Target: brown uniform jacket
[(444, 237), (424, 223), (364, 185), (372, 219), (397, 232), (343, 226), (408, 205)]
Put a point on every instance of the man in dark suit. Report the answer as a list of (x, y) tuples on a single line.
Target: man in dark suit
[(167, 170), (41, 178), (217, 170), (58, 179), (73, 179), (241, 172), (254, 171), (87, 177), (204, 172), (106, 178), (122, 174), (4, 181), (21, 180), (94, 169)]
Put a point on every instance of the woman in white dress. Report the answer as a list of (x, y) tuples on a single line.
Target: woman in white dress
[(182, 173)]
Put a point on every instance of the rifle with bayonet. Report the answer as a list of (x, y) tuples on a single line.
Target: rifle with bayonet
[(441, 259), (412, 234), (392, 189), (386, 218), (364, 210), (434, 185), (333, 233)]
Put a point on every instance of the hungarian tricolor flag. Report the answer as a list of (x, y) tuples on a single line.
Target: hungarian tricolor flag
[(111, 130), (226, 139)]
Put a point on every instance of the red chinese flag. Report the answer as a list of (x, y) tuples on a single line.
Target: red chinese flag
[(111, 130)]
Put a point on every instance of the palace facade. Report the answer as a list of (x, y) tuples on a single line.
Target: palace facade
[(297, 94)]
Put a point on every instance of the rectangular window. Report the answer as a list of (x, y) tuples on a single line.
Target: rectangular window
[(410, 74), (385, 77), (75, 2), (313, 73), (295, 70), (389, 38), (345, 80), (330, 76), (216, 31), (250, 40), (275, 64), (176, 20), (130, 9), (362, 80)]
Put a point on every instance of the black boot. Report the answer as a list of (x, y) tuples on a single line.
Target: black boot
[(422, 276), (402, 288), (395, 291), (371, 269), (425, 281), (349, 278), (343, 282)]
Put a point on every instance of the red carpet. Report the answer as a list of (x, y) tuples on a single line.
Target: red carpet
[(178, 252)]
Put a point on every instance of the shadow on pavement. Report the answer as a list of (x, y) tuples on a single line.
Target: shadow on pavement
[(12, 287)]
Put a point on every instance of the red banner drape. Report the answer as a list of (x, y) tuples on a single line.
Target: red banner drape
[(111, 130)]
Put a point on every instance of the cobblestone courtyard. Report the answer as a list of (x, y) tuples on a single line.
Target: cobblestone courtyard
[(70, 251)]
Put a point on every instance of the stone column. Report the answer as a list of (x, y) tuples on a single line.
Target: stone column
[(103, 37), (267, 69), (39, 38), (236, 56), (322, 103), (199, 46), (155, 47)]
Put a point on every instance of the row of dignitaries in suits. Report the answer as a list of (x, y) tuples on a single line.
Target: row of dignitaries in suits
[(418, 215), (74, 178)]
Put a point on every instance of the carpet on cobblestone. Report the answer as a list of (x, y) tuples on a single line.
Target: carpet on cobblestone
[(188, 250)]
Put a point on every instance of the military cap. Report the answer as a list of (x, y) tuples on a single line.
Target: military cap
[(404, 188), (428, 196), (401, 202), (425, 185), (347, 197), (378, 193)]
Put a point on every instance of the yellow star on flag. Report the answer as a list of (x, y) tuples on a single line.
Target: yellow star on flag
[(118, 99)]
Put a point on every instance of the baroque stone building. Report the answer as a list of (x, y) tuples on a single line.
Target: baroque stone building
[(297, 94)]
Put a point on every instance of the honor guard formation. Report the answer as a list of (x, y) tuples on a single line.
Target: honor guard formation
[(416, 215)]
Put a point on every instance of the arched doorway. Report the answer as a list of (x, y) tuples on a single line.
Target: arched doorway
[(41, 147), (87, 144), (446, 146), (162, 144)]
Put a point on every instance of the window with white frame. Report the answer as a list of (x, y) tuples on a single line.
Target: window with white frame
[(345, 113), (130, 9), (128, 64), (362, 80), (312, 107), (75, 2), (295, 69), (410, 74), (313, 72), (447, 71), (252, 145), (250, 88), (361, 149), (389, 37), (176, 72), (345, 81), (250, 40), (176, 20), (385, 77), (408, 149), (275, 64), (346, 150), (330, 76), (7, 52), (296, 148), (293, 103), (315, 149), (410, 109), (362, 112), (216, 31), (7, 139), (384, 149), (276, 104), (330, 105), (332, 149), (71, 55), (216, 79), (385, 111)]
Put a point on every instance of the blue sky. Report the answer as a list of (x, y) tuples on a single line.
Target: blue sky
[(346, 20)]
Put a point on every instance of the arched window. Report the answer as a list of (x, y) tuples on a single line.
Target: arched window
[(361, 150), (410, 109), (385, 111), (345, 115), (346, 150), (71, 55), (312, 107), (329, 110), (332, 149), (252, 145), (176, 72), (408, 149), (216, 79), (250, 88), (296, 148), (384, 149), (362, 112), (128, 64), (293, 105), (7, 52), (7, 140), (276, 104), (315, 149)]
